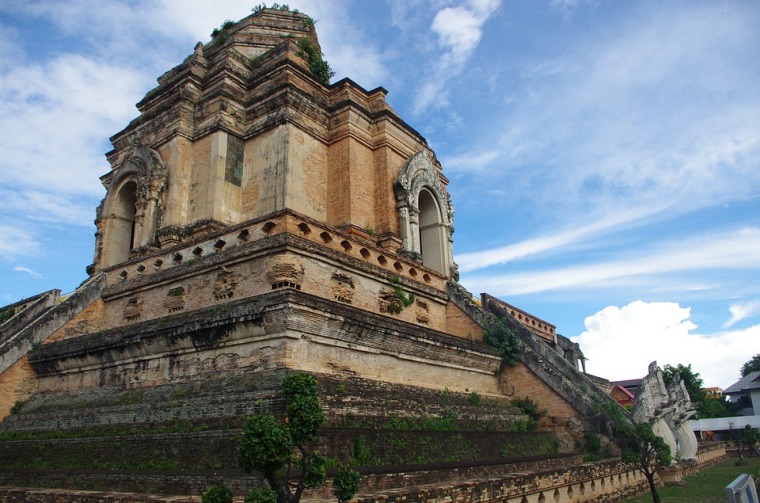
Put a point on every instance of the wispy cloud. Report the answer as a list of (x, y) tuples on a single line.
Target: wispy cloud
[(550, 243), (17, 242), (458, 30), (470, 162), (741, 311), (28, 271), (51, 132), (732, 250), (658, 110), (661, 331)]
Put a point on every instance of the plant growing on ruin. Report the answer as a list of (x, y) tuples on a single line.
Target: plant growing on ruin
[(221, 34), (499, 334), (531, 409), (17, 406), (318, 66), (400, 299), (6, 314), (274, 447), (176, 292)]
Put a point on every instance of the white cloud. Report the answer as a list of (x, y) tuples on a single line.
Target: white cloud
[(53, 121), (458, 30), (28, 271), (471, 161), (655, 109), (741, 311), (620, 342), (17, 242), (646, 266), (553, 242), (49, 206)]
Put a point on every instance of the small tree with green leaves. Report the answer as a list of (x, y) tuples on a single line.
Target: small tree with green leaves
[(346, 484), (274, 447), (647, 451)]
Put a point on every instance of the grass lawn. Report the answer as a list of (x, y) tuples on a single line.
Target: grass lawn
[(706, 486)]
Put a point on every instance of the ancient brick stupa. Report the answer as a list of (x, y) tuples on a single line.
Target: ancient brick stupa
[(259, 220)]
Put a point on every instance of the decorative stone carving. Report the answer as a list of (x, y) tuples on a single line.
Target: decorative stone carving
[(285, 271), (422, 312), (131, 213), (145, 167), (342, 288), (684, 435), (225, 284), (420, 172), (132, 309), (175, 299), (384, 300), (652, 405), (667, 410)]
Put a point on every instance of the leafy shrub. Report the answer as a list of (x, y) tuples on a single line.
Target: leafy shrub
[(318, 66), (6, 314), (529, 408), (18, 406), (217, 494), (346, 484), (504, 338), (261, 495)]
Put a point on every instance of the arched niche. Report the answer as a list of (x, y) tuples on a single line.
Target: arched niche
[(121, 230), (133, 207), (432, 232), (425, 214)]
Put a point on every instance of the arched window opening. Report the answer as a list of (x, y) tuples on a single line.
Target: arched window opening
[(432, 232), (122, 238), (425, 213)]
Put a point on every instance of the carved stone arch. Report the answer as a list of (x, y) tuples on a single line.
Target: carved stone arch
[(141, 179), (418, 186), (121, 222)]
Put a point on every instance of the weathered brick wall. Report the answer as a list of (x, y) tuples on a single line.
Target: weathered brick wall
[(459, 323), (17, 345), (536, 481), (91, 319), (525, 384), (26, 311), (17, 383), (603, 482)]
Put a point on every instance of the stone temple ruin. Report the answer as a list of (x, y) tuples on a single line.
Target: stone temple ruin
[(258, 220)]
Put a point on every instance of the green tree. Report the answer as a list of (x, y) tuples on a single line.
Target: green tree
[(752, 365), (647, 451), (743, 438), (717, 407), (273, 448), (346, 484), (691, 380)]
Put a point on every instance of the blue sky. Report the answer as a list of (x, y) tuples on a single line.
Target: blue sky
[(603, 157)]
